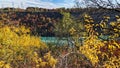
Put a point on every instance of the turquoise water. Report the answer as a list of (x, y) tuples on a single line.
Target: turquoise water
[(105, 37), (63, 40), (54, 40)]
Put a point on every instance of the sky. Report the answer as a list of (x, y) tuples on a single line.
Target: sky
[(37, 3), (40, 3)]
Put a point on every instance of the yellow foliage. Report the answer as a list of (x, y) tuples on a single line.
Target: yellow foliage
[(50, 59), (112, 23), (112, 63), (91, 49), (48, 62), (99, 51), (72, 31), (95, 49), (106, 17), (4, 65), (18, 46), (87, 16)]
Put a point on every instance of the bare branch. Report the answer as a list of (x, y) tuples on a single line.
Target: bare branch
[(118, 4), (104, 4)]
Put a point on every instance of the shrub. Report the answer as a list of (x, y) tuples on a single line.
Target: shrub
[(19, 49)]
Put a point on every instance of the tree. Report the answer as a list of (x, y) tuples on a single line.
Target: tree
[(71, 29), (103, 4), (77, 4), (62, 28)]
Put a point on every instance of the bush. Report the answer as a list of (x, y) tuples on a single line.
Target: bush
[(19, 49)]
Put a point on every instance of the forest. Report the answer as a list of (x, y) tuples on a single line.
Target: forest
[(78, 37)]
